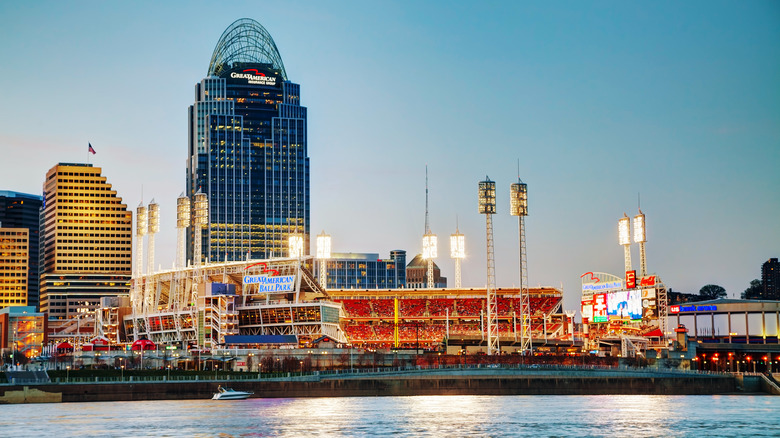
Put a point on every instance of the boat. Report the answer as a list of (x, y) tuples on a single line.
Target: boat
[(230, 394)]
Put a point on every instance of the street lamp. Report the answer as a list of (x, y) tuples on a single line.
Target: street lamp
[(301, 368), (123, 372), (67, 373)]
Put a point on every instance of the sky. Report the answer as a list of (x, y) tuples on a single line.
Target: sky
[(598, 106)]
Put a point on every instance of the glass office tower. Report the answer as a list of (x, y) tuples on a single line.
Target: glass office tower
[(248, 151)]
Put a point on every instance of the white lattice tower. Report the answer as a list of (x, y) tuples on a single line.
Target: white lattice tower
[(519, 207), (200, 219), (487, 206), (323, 254), (663, 308), (457, 252)]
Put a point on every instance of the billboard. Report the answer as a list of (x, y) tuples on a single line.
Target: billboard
[(600, 308), (587, 310), (624, 305)]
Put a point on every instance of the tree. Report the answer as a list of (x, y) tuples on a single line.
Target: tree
[(712, 292), (755, 291)]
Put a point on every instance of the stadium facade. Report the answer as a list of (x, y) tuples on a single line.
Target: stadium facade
[(248, 150)]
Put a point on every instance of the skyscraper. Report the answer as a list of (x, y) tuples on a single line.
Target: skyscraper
[(770, 279), (14, 262), (248, 149), (85, 241), (20, 210)]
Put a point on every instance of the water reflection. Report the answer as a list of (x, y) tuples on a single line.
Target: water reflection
[(576, 416)]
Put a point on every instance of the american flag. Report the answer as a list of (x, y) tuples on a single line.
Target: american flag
[(91, 149)]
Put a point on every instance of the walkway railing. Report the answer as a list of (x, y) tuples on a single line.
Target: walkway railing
[(540, 370)]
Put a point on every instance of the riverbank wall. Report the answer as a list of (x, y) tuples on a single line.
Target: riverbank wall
[(406, 383)]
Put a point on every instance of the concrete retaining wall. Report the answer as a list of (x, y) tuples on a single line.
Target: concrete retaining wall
[(375, 386)]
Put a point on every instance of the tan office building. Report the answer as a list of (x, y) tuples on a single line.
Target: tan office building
[(86, 246)]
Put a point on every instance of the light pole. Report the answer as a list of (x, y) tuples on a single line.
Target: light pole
[(67, 373), (518, 206), (487, 206), (123, 372), (169, 372), (323, 254), (301, 368)]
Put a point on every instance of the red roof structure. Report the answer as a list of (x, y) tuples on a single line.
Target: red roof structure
[(143, 344)]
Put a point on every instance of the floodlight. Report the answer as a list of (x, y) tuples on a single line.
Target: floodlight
[(296, 246), (639, 228), (518, 203), (457, 246), (323, 246), (624, 233), (429, 246)]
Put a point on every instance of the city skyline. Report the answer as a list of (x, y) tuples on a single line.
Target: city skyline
[(602, 104)]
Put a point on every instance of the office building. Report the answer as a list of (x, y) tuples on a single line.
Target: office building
[(248, 150), (14, 262), (417, 274), (85, 242), (21, 210), (770, 279), (366, 271)]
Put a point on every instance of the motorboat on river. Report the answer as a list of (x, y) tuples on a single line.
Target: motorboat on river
[(230, 394)]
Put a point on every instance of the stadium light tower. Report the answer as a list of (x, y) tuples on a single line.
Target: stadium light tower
[(457, 252), (624, 238), (323, 254), (201, 218), (153, 226), (140, 231), (518, 206), (640, 237), (182, 222), (487, 206), (430, 247), (153, 212)]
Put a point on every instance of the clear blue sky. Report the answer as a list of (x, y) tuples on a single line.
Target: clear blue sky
[(600, 101)]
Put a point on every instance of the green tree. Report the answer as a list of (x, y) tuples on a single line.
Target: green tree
[(754, 292), (712, 292)]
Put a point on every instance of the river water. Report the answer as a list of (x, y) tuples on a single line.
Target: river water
[(445, 416)]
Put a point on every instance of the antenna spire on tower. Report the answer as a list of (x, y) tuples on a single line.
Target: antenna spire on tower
[(427, 228)]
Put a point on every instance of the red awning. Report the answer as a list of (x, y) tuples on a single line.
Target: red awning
[(143, 344), (64, 346), (657, 333)]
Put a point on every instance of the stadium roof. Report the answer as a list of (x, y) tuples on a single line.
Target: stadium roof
[(245, 41)]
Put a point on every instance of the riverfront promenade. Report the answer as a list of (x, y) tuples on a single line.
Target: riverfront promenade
[(453, 380)]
